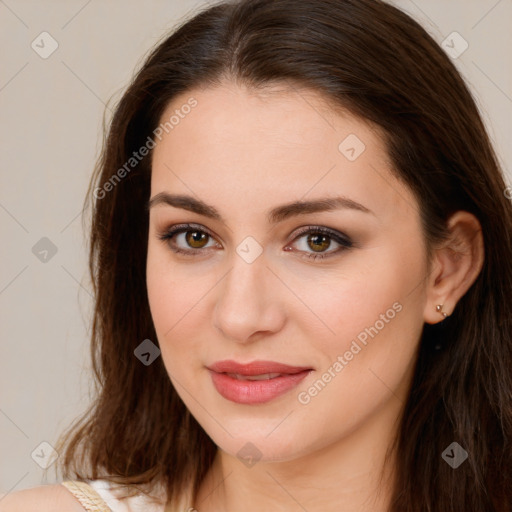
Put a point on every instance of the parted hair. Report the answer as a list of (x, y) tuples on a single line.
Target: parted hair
[(373, 60)]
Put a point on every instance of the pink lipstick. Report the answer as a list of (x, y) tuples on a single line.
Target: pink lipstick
[(256, 382)]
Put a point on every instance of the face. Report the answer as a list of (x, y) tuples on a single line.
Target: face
[(295, 246)]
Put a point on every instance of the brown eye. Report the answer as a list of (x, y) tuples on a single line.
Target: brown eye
[(318, 242), (188, 240), (313, 242), (196, 239)]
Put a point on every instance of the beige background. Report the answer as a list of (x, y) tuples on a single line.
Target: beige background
[(51, 111)]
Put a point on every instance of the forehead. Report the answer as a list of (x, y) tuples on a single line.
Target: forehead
[(272, 117), (281, 140)]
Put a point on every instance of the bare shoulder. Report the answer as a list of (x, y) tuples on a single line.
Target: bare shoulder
[(44, 498)]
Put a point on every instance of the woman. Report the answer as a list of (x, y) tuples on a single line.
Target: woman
[(300, 249)]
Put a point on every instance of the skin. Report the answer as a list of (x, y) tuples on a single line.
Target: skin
[(245, 153)]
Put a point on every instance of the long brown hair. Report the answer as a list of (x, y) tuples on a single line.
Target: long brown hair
[(372, 59)]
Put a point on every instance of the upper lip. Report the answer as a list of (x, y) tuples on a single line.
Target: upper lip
[(255, 368)]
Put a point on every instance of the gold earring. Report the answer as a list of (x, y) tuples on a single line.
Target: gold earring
[(439, 309)]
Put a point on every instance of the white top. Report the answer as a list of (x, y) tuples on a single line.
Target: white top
[(138, 503)]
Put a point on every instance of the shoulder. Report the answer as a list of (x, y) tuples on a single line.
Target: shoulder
[(44, 498)]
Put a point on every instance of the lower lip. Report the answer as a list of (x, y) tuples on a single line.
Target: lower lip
[(255, 391)]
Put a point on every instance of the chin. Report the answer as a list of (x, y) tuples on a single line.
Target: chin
[(249, 442)]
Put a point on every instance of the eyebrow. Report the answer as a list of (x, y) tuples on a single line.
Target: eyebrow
[(277, 214)]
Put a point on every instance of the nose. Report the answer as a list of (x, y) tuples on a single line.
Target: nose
[(249, 303)]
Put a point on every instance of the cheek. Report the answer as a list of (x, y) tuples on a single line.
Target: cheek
[(373, 313), (368, 360), (345, 301), (173, 299)]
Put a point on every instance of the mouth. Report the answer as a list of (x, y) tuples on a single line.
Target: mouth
[(257, 382), (263, 376)]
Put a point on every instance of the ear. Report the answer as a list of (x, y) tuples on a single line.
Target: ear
[(455, 266)]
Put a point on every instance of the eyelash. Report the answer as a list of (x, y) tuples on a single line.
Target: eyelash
[(344, 242)]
